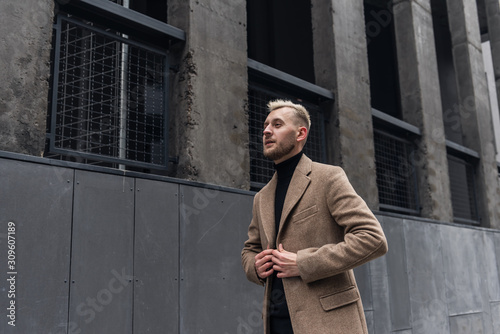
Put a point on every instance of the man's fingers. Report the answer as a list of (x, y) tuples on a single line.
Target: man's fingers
[(266, 258), (263, 253), (265, 270)]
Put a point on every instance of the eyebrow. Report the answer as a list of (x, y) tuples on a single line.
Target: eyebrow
[(274, 120)]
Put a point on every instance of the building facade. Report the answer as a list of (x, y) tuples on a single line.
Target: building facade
[(403, 95)]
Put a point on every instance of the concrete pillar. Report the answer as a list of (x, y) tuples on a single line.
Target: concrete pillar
[(210, 126), (475, 110), (25, 70), (421, 104), (341, 64), (493, 19)]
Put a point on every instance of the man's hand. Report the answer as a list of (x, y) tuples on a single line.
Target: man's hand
[(264, 263), (285, 263)]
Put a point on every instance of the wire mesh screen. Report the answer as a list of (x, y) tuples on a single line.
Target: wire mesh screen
[(261, 168), (463, 192), (110, 97), (396, 176)]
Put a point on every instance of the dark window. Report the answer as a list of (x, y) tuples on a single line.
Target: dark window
[(396, 173), (109, 87), (447, 77), (382, 59), (463, 190), (280, 36)]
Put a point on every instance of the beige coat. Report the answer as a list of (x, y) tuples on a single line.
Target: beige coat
[(332, 231)]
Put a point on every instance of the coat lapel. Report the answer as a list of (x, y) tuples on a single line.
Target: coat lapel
[(298, 185), (267, 210)]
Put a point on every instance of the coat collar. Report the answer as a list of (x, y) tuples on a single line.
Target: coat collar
[(298, 185)]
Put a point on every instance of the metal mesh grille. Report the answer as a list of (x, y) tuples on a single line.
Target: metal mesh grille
[(463, 193), (110, 102), (396, 176), (261, 168)]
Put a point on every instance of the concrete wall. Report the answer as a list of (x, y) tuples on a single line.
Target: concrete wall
[(477, 131), (26, 29), (341, 65), (208, 97), (495, 111), (210, 92), (421, 104), (98, 250)]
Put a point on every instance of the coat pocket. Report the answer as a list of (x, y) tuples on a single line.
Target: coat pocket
[(304, 214), (339, 299)]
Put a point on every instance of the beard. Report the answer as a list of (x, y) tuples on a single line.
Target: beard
[(280, 149)]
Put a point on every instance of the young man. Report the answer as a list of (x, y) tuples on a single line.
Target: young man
[(309, 230)]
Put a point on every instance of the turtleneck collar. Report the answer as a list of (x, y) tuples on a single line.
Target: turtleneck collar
[(287, 167)]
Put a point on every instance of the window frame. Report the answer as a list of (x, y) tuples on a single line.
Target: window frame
[(406, 133), (470, 158), (123, 21)]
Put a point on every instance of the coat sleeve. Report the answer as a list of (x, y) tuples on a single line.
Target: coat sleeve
[(363, 239), (252, 247)]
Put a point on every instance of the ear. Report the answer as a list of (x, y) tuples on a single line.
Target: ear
[(302, 134)]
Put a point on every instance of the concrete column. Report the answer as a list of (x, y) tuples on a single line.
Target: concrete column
[(25, 70), (210, 125), (475, 110), (341, 64), (421, 104), (493, 19)]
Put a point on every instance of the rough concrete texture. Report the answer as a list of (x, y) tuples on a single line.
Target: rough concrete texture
[(341, 65), (421, 105), (475, 109), (24, 64), (211, 87), (493, 18)]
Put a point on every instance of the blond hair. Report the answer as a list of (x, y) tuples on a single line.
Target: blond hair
[(299, 111)]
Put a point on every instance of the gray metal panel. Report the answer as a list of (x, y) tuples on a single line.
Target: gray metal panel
[(426, 279), (488, 273), (102, 254), (467, 324), (397, 274), (369, 321), (362, 274), (491, 256), (380, 292), (462, 272), (487, 257), (215, 295), (495, 316), (156, 257), (37, 198)]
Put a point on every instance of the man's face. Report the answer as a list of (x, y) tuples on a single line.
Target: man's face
[(280, 135)]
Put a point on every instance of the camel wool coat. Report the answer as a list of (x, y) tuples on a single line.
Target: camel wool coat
[(332, 231)]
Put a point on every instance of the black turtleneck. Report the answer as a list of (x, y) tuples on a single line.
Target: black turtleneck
[(285, 170)]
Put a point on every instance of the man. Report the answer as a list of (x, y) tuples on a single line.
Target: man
[(309, 230)]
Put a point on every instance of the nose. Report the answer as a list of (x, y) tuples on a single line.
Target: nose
[(267, 130)]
